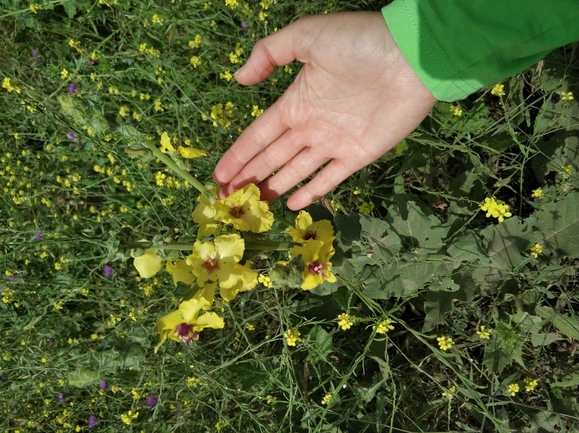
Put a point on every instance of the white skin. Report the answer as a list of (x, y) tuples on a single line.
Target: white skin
[(354, 99)]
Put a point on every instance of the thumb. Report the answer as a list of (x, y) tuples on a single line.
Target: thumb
[(277, 49)]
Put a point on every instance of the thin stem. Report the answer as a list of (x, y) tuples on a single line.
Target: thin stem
[(173, 166)]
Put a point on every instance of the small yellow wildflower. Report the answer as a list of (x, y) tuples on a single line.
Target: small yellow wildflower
[(35, 7), (6, 84), (195, 61), (566, 170), (357, 191), (250, 326), (232, 3), (445, 342), (496, 209), (384, 327), (129, 417), (456, 110), (64, 74), (450, 393), (345, 321), (327, 398), (256, 111), (513, 388), (292, 336), (498, 90), (157, 19), (484, 332), (265, 281), (196, 42), (530, 384), (536, 250), (124, 111), (158, 105), (227, 76), (567, 96), (537, 193), (366, 208)]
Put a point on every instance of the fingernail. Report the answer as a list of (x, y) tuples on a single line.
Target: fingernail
[(235, 73)]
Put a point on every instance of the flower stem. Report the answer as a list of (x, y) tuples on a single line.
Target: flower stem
[(262, 245), (173, 166)]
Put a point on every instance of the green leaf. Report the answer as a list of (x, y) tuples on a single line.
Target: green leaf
[(439, 301), (322, 345), (559, 227), (504, 348), (467, 248), (82, 377), (573, 381), (567, 325), (507, 241), (540, 339), (384, 244), (348, 229), (419, 232)]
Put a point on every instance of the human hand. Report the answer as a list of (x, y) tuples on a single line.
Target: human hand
[(353, 100)]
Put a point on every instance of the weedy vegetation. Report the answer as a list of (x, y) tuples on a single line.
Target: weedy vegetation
[(439, 295)]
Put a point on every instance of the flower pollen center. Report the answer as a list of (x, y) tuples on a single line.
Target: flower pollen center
[(211, 265), (186, 333), (236, 212), (317, 268), (310, 234)]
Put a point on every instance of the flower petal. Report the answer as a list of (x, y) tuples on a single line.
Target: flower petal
[(148, 264)]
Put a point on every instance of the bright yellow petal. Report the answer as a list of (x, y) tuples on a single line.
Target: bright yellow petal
[(230, 246), (169, 321), (207, 293), (190, 309), (148, 264), (181, 271), (166, 145), (208, 320), (191, 152), (303, 221)]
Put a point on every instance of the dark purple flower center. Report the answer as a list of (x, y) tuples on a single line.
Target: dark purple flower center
[(310, 234), (236, 212), (186, 333), (317, 268), (211, 265)]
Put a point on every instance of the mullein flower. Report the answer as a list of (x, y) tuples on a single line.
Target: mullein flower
[(307, 230), (148, 264), (318, 268), (185, 324), (244, 210)]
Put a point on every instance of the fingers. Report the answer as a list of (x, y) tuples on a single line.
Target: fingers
[(274, 156), (277, 49)]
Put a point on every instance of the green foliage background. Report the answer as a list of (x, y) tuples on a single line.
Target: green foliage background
[(426, 256)]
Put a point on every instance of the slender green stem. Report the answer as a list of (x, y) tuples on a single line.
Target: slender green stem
[(173, 166), (251, 244), (183, 246)]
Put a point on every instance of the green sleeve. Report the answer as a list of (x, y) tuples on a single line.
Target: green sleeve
[(458, 46)]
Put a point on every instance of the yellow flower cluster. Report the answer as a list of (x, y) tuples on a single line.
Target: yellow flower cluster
[(327, 398), (384, 326), (498, 90), (221, 114), (445, 342), (346, 321), (292, 336), (530, 384), (450, 393), (513, 389), (456, 110), (537, 193), (496, 209), (484, 332), (9, 86), (536, 250)]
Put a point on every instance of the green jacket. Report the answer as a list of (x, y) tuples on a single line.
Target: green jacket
[(458, 46)]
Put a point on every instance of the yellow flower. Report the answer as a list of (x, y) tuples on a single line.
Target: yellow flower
[(191, 152), (166, 145), (513, 388), (218, 261), (537, 193), (64, 74), (265, 281), (450, 393), (366, 208), (292, 336), (129, 417), (357, 191), (181, 272), (35, 7), (345, 321), (327, 398), (484, 333), (124, 111), (456, 110), (496, 209), (530, 384), (316, 256), (195, 61), (536, 250), (306, 229), (148, 264), (204, 215), (6, 84), (227, 76), (196, 42), (498, 90), (244, 210), (384, 326), (445, 342), (567, 96), (185, 323)]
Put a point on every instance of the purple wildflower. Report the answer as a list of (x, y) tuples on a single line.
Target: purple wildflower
[(151, 400), (51, 341), (103, 385), (107, 271), (244, 25), (37, 236), (72, 88), (12, 277), (72, 136), (34, 53), (92, 421), (61, 397), (91, 62)]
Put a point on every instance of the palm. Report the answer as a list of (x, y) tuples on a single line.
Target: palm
[(353, 100)]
